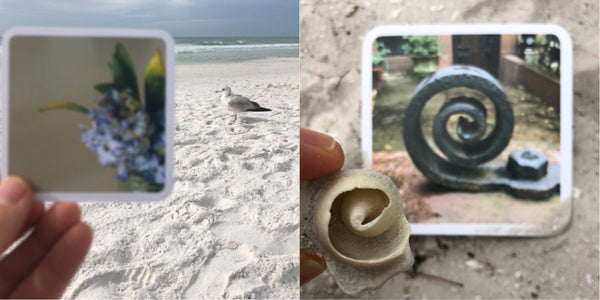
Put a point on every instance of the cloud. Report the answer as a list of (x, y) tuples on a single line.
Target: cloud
[(180, 17), (181, 2)]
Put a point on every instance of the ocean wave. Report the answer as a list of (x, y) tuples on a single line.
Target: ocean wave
[(191, 48)]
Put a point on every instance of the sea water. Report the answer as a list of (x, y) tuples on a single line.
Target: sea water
[(191, 50)]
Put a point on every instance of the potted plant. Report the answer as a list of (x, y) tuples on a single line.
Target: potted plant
[(533, 46), (550, 57), (379, 64), (424, 51)]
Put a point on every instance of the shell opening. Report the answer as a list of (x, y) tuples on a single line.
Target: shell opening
[(362, 225), (361, 210), (359, 220)]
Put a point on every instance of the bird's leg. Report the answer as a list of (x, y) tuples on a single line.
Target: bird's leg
[(234, 119)]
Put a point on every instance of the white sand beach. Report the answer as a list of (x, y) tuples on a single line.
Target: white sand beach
[(230, 227)]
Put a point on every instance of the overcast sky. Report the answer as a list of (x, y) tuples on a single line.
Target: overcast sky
[(178, 17)]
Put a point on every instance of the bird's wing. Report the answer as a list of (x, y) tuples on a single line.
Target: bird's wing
[(256, 105), (241, 103)]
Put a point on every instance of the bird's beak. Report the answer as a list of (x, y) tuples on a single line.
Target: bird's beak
[(217, 91)]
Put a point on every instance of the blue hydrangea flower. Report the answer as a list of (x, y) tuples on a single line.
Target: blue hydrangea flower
[(123, 137)]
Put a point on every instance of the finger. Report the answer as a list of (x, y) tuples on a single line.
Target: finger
[(56, 221), (320, 154), (15, 205), (35, 214), (50, 278), (310, 266), (52, 225)]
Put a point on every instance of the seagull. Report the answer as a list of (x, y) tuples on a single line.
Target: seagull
[(238, 103)]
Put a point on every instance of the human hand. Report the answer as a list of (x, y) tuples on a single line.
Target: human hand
[(320, 155), (44, 263)]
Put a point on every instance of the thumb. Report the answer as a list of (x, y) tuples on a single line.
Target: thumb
[(15, 203), (320, 154)]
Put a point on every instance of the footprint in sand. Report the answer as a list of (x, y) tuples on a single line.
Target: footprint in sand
[(140, 277), (100, 286), (214, 279), (239, 150), (284, 166)]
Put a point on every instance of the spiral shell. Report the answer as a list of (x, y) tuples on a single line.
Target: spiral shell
[(355, 220)]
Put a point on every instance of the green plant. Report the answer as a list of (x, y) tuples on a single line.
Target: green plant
[(421, 46), (379, 51)]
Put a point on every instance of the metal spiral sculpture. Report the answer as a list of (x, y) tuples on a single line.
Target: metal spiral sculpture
[(463, 164)]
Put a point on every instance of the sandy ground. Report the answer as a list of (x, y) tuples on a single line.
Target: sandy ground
[(564, 266), (230, 227)]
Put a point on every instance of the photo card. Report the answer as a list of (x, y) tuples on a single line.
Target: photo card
[(473, 123), (88, 113)]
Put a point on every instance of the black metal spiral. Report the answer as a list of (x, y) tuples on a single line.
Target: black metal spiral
[(460, 162), (473, 147), (467, 150)]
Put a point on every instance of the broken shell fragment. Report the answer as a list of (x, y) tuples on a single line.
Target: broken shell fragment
[(355, 220)]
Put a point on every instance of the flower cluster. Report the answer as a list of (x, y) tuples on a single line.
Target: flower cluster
[(124, 137)]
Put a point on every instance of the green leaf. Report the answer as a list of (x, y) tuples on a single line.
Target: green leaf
[(65, 105), (379, 52), (421, 45), (135, 183), (103, 87), (154, 85), (124, 71)]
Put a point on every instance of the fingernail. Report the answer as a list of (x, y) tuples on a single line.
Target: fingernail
[(12, 190), (317, 139), (310, 266)]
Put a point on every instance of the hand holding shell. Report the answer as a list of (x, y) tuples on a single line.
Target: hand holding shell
[(354, 219)]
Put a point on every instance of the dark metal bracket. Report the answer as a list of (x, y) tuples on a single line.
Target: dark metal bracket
[(527, 174)]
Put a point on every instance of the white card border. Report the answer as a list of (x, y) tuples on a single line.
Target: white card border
[(566, 120), (169, 60)]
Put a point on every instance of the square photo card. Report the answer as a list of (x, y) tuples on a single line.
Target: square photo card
[(88, 113), (473, 123)]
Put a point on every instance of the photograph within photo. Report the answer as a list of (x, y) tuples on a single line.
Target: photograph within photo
[(87, 114), (468, 126)]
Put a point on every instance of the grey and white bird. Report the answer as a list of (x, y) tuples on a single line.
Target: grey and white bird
[(238, 103)]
